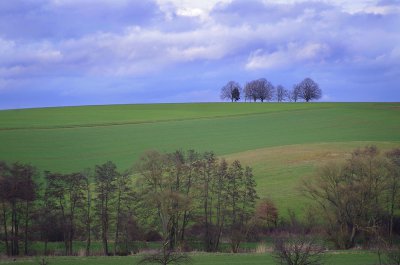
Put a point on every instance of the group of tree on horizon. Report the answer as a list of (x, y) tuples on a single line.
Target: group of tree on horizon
[(263, 90)]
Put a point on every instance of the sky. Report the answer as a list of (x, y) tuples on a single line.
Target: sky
[(89, 52)]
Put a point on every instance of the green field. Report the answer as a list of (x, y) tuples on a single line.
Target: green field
[(283, 142), (337, 258)]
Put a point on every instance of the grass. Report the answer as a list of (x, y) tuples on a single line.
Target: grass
[(36, 248), (108, 115), (337, 258), (279, 171), (282, 142)]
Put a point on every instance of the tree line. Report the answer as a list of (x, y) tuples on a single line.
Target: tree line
[(263, 90), (186, 196), (167, 197)]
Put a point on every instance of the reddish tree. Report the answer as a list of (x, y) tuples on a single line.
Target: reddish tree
[(267, 213)]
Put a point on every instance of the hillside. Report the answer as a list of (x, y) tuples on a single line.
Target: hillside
[(282, 142)]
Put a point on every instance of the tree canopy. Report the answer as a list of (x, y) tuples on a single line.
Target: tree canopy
[(309, 90), (231, 91)]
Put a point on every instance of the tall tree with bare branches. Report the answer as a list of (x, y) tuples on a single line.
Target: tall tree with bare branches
[(309, 90), (231, 91), (105, 176)]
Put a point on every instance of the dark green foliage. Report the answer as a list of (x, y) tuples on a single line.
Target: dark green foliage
[(236, 94)]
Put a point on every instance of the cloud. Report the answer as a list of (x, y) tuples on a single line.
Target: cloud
[(291, 54), (167, 40), (63, 19)]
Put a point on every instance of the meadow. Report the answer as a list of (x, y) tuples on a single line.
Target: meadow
[(283, 142), (334, 258)]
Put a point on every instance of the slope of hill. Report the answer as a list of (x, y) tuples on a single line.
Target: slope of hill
[(283, 142)]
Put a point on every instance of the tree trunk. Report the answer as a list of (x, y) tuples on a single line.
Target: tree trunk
[(26, 228), (105, 243), (352, 237), (45, 246), (206, 224), (88, 220), (391, 215), (5, 229), (14, 230), (71, 236), (105, 227), (117, 223)]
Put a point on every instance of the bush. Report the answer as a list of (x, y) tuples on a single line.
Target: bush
[(297, 250)]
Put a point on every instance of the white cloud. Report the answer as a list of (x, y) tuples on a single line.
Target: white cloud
[(382, 10), (190, 12), (204, 5), (304, 39), (291, 55), (207, 5)]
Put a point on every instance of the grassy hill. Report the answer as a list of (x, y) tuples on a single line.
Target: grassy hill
[(282, 142)]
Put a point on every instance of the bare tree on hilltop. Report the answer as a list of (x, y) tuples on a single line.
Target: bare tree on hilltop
[(250, 91), (281, 93), (231, 91), (260, 89), (308, 90), (294, 93)]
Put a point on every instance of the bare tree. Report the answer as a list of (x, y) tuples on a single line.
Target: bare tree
[(309, 90), (241, 197), (4, 186), (181, 167), (161, 189), (212, 178), (260, 89), (67, 193), (297, 250), (293, 95), (266, 213), (393, 256), (281, 93), (250, 91), (105, 188), (17, 192), (393, 185), (231, 91), (87, 212), (166, 256), (124, 197), (265, 90), (349, 195)]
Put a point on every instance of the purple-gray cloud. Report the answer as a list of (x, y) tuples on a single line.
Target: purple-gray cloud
[(66, 52)]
